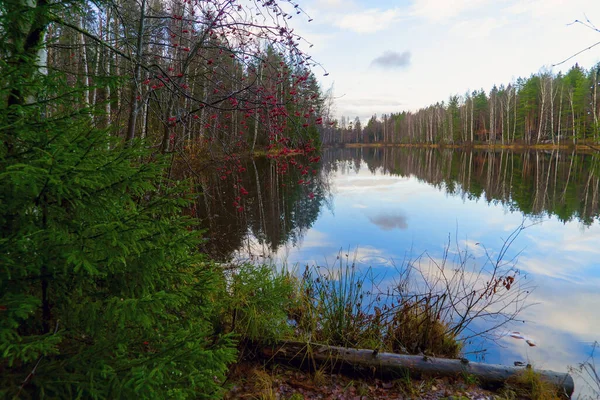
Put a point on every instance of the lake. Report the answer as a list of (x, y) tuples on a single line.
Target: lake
[(386, 206)]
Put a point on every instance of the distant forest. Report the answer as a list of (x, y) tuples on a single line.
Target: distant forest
[(544, 108)]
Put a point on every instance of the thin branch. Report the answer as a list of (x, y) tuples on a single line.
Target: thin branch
[(576, 54), (61, 21)]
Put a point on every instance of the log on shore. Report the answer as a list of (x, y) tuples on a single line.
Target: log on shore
[(390, 364)]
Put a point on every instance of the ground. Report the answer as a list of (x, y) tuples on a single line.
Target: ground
[(255, 381)]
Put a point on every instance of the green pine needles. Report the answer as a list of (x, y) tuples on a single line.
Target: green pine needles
[(102, 291)]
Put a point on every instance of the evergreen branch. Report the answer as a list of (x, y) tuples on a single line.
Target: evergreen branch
[(32, 373)]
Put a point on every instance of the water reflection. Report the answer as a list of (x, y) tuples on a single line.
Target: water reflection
[(536, 183), (387, 222), (251, 201), (386, 205)]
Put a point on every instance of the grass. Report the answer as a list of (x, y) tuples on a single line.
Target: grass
[(333, 308), (255, 299), (264, 383), (319, 377), (470, 379), (415, 328), (530, 385), (338, 306), (407, 386)]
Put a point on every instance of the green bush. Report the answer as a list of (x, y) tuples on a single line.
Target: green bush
[(257, 302)]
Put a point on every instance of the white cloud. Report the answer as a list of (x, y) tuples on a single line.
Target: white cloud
[(437, 11), (320, 42), (574, 241), (315, 238), (555, 269), (366, 106), (369, 21), (372, 256), (541, 7), (472, 247), (360, 185), (478, 28), (330, 3)]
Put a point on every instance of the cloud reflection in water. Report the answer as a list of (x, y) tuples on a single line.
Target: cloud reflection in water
[(388, 222)]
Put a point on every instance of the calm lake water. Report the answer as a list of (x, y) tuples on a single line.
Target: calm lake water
[(389, 205)]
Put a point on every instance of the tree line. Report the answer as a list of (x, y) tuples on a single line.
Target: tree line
[(214, 75), (547, 107), (563, 184)]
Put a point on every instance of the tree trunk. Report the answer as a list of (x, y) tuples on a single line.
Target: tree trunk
[(541, 117), (560, 113), (134, 108), (492, 137), (256, 113), (472, 109), (552, 97), (572, 116), (397, 365), (595, 103), (107, 70), (86, 72)]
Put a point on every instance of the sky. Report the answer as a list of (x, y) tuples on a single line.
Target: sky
[(386, 56)]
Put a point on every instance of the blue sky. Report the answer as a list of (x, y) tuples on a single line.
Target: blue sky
[(386, 56)]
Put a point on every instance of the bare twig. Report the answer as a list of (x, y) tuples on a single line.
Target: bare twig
[(588, 24)]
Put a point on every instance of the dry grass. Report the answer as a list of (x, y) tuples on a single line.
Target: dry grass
[(336, 306), (415, 328), (530, 385), (319, 377)]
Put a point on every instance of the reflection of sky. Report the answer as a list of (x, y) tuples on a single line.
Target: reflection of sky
[(386, 219)]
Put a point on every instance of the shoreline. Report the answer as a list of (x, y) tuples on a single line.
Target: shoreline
[(582, 148)]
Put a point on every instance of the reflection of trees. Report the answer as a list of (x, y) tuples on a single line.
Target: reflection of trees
[(276, 209), (534, 182)]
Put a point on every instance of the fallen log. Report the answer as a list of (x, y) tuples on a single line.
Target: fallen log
[(390, 364)]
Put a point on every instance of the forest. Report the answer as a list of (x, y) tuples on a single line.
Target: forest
[(104, 292), (211, 74), (545, 108)]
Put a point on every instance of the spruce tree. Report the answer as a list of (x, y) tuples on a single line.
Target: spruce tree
[(102, 291)]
